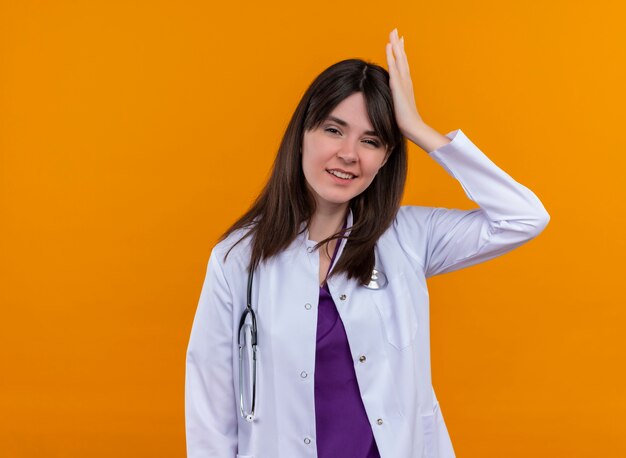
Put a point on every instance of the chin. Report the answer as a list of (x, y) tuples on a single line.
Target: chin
[(338, 201)]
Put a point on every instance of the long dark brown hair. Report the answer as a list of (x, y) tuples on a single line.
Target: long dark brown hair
[(275, 217)]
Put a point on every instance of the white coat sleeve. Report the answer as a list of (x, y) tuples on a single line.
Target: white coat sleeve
[(509, 215), (210, 404)]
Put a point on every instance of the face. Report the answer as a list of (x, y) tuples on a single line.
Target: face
[(342, 156)]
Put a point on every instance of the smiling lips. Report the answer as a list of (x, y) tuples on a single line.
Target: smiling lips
[(341, 174)]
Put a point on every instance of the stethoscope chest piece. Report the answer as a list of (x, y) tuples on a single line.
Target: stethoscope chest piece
[(377, 281)]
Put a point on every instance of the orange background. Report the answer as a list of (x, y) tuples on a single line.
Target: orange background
[(132, 133)]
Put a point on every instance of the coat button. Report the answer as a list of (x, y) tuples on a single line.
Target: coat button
[(379, 421), (343, 297), (307, 440), (307, 306), (303, 374), (362, 358)]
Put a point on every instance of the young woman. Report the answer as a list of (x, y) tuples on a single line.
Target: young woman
[(339, 365)]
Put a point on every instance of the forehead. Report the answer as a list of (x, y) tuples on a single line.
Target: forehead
[(351, 113)]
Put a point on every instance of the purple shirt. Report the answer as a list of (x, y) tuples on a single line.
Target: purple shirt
[(342, 426)]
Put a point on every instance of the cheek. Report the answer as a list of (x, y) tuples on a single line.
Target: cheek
[(371, 167), (313, 158), (307, 164), (310, 169), (370, 170)]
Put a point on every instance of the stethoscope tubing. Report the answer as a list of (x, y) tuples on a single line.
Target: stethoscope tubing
[(249, 416)]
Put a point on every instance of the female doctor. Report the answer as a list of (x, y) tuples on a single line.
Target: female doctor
[(340, 367)]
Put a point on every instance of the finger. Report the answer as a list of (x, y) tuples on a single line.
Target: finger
[(395, 43), (394, 76), (400, 56), (406, 58), (394, 40), (391, 64)]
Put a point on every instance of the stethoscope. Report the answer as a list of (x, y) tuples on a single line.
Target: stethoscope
[(377, 281), (249, 416)]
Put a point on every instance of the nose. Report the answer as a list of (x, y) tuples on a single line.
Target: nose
[(348, 152)]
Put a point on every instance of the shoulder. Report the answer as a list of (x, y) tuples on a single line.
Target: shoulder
[(233, 252), (411, 217), (408, 234)]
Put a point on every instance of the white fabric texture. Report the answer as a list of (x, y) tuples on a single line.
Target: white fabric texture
[(389, 326)]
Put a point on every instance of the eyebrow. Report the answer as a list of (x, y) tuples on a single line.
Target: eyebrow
[(343, 123)]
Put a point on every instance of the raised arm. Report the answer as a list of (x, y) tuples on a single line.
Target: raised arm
[(444, 239), (510, 214)]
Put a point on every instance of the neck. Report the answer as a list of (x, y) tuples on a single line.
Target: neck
[(326, 222)]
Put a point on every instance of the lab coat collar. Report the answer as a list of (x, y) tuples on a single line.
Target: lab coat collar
[(309, 244)]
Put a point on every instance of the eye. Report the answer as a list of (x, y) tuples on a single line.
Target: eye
[(373, 143)]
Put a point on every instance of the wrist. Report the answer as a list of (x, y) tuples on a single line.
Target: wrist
[(426, 137)]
